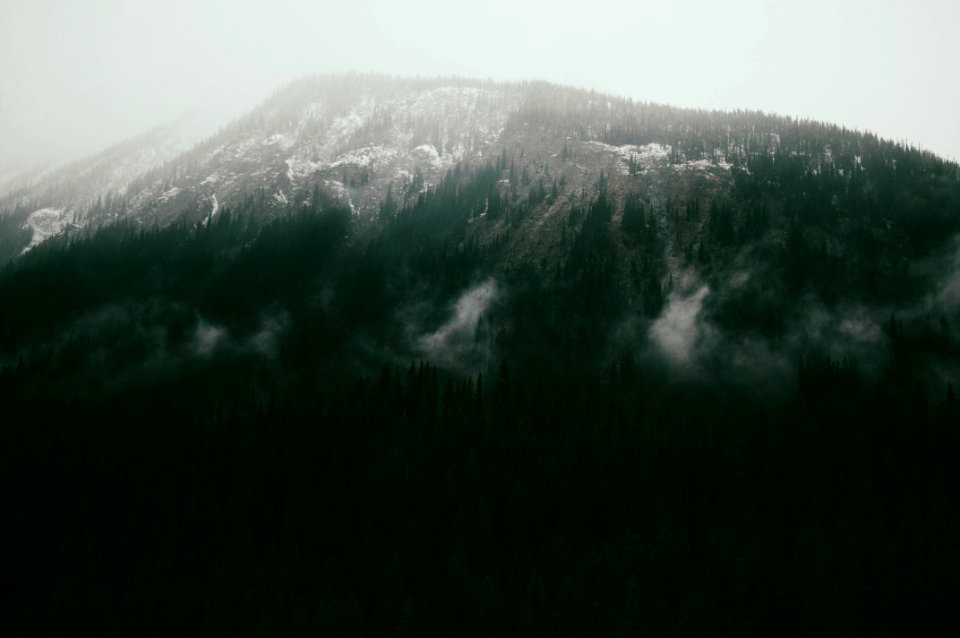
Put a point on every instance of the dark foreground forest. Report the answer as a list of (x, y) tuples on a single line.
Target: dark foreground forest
[(218, 497), (410, 503)]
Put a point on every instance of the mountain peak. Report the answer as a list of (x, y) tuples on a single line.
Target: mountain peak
[(357, 136)]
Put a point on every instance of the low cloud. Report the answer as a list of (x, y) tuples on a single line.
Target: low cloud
[(453, 343), (206, 338), (266, 340), (211, 339), (679, 330), (694, 348)]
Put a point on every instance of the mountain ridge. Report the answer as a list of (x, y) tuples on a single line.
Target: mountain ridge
[(694, 239), (330, 125)]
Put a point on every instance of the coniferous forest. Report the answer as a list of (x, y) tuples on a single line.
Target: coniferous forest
[(293, 420)]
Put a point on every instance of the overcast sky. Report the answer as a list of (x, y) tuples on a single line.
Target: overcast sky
[(79, 75)]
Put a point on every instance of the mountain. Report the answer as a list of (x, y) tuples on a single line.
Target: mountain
[(337, 132), (412, 356), (693, 236), (41, 203)]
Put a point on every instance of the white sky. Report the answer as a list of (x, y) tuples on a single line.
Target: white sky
[(78, 75)]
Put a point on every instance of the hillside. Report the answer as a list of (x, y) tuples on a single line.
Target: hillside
[(703, 239), (408, 356)]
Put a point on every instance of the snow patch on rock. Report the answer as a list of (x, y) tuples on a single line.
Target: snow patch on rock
[(704, 165), (428, 153), (169, 194), (656, 156), (299, 168), (648, 156), (369, 156), (46, 223)]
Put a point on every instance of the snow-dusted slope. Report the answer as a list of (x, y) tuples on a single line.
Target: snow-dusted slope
[(354, 137), (46, 223), (50, 200), (354, 144)]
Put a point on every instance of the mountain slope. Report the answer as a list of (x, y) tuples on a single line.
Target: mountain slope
[(701, 239), (432, 357), (356, 136)]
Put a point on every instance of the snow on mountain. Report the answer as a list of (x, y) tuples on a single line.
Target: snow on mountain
[(358, 137), (46, 223), (78, 185), (354, 141)]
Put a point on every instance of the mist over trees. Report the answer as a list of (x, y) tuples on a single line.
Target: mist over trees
[(632, 369)]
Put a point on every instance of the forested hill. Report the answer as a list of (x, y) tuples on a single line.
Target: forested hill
[(357, 136), (397, 356), (712, 247)]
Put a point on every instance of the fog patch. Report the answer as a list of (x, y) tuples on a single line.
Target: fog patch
[(851, 332), (211, 339), (455, 340), (207, 338), (266, 340), (119, 344), (696, 350), (679, 329), (859, 331), (739, 279)]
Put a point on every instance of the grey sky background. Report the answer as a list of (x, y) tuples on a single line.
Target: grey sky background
[(80, 75)]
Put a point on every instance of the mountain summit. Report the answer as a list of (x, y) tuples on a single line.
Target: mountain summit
[(358, 136)]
